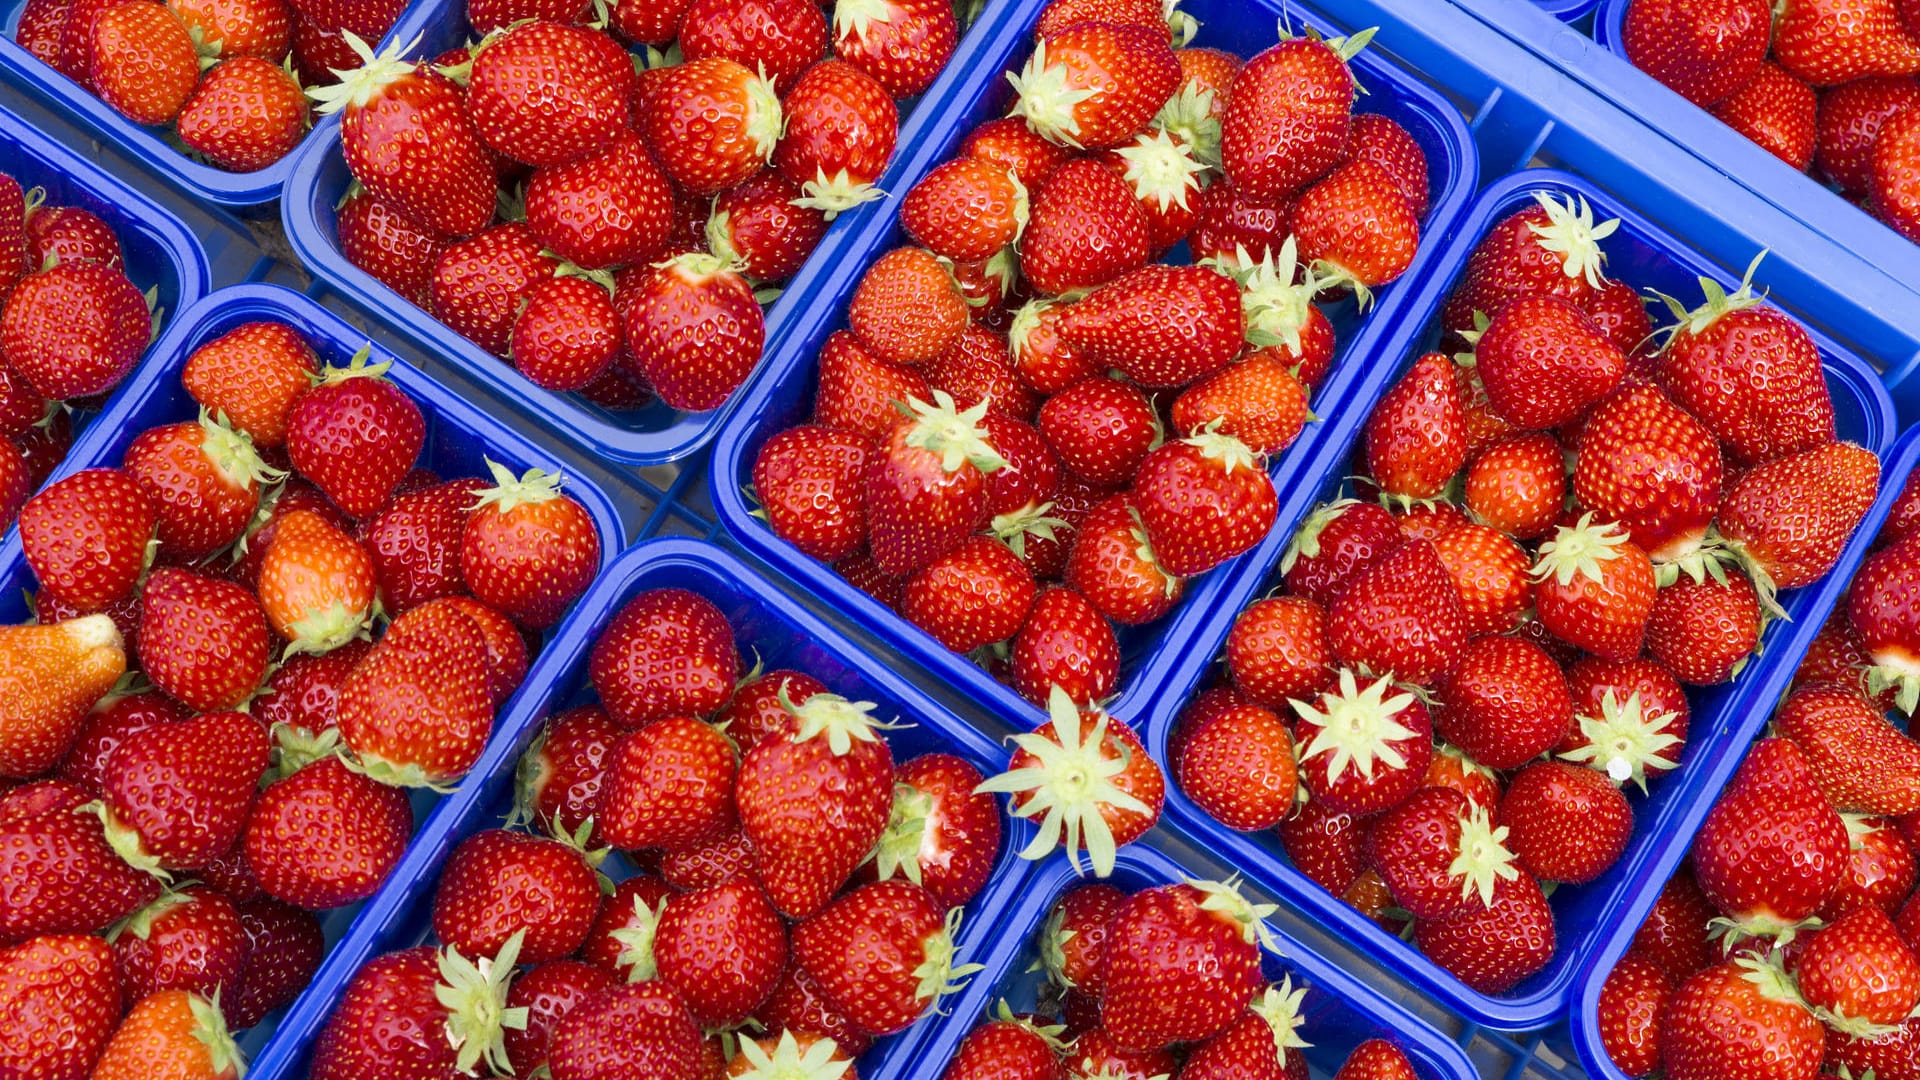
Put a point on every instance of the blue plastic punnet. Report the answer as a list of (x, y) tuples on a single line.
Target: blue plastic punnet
[(460, 439), (1647, 257), (1568, 11), (655, 434), (782, 634), (785, 396)]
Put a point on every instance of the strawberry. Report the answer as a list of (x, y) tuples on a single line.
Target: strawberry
[(1880, 868), (1430, 521), (205, 481), (926, 484), (1162, 326), (1258, 401), (1771, 850), (202, 640), (695, 331), (259, 28), (1704, 630), (883, 953), (723, 948), (326, 836), (475, 286), (666, 653), (66, 1000), (813, 804), (86, 537), (1777, 111), (1882, 613), (757, 712), (252, 374), (1850, 118), (1893, 189), (1364, 749), (284, 947), (528, 550), (1101, 428), (1651, 469), (559, 779), (1517, 484), (808, 482), (424, 1013), (943, 835), (1632, 1000), (414, 543), (1857, 974), (1490, 572), (610, 207), (1114, 566), (1182, 962), (1416, 437), (113, 719), (758, 227), (1257, 1044), (976, 594), (1376, 1059), (1203, 500), (1828, 42), (1289, 111), (1084, 228), (711, 123), (1238, 767), (1164, 176), (1043, 361), (548, 993), (316, 583), (244, 115), (1228, 220), (1543, 362), (1749, 373), (1493, 948), (1505, 702), (1073, 945), (1357, 228), (1278, 650), (190, 940), (176, 795), (668, 785), (1440, 854), (42, 24), (173, 1033), (1065, 642), (907, 309), (1095, 84), (802, 1054), (1088, 779), (1675, 934), (74, 329), (901, 44), (1193, 115), (1006, 1047), (782, 36), (1893, 1054), (498, 885), (1741, 1018), (1327, 845), (797, 1005), (416, 712), (1791, 516), (355, 435), (1704, 52), (620, 941), (1630, 718), (1399, 615), (966, 209), (408, 140), (1333, 544), (976, 368), (515, 80), (1384, 142), (1566, 823), (858, 391), (142, 61), (77, 883), (841, 126), (1094, 1054), (1595, 588), (1011, 144), (1858, 759)]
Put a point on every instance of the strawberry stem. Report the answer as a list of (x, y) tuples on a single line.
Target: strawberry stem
[(1571, 234), (1483, 859), (1579, 549), (937, 974), (953, 434), (1625, 741), (358, 86), (475, 996), (1048, 100), (840, 721), (531, 488), (1225, 899), (210, 1031), (1279, 1006)]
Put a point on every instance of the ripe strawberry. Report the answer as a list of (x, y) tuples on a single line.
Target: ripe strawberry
[(858, 391), (1828, 42), (86, 537), (205, 481), (252, 374), (114, 718), (1006, 1047), (898, 927), (414, 544), (1880, 868), (782, 36), (1162, 326), (1850, 118), (668, 785), (202, 640), (901, 44), (1777, 111), (1517, 484), (1096, 84), (407, 139), (1791, 516), (926, 484), (1101, 428), (74, 329), (142, 61), (1750, 374), (808, 482), (711, 123), (476, 285), (608, 208), (1357, 228), (666, 653), (1431, 520), (1164, 175), (1651, 469), (1675, 935), (1595, 588), (1893, 1054), (1384, 142), (1256, 1045), (1084, 228), (173, 1033), (695, 331), (78, 883), (1493, 948), (66, 1000), (758, 227), (548, 993), (723, 948), (975, 368), (190, 940), (1238, 767), (1227, 220), (1741, 1018), (966, 209), (559, 779), (1859, 760), (176, 795), (259, 28), (1543, 362), (1704, 52), (498, 885), (1632, 1001), (1327, 845), (1771, 850), (515, 80), (1704, 630), (355, 435), (797, 1005), (316, 583), (841, 126), (1289, 111), (1089, 780), (1882, 613), (284, 947), (1858, 975), (1399, 615), (1065, 642), (1073, 945), (416, 712), (1505, 702), (1114, 567), (326, 836), (1440, 854), (1567, 823), (1416, 435), (1490, 572), (244, 115), (976, 594), (1010, 143), (1203, 500), (907, 309), (1364, 749), (1278, 650), (528, 550), (1258, 401), (427, 1012), (1630, 718), (1333, 544), (1182, 962), (943, 835)]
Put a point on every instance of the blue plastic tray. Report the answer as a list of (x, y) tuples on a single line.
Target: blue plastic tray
[(1617, 935), (784, 635), (1568, 11), (458, 435), (1647, 257), (1341, 1011), (785, 396), (656, 434), (147, 145)]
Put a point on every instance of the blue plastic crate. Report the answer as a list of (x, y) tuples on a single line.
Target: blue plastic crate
[(1617, 936), (149, 146), (459, 435), (1567, 11), (783, 634), (1341, 1011), (657, 433), (1647, 257), (785, 396)]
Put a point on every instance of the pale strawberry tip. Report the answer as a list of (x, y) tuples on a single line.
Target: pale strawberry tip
[(1571, 234), (1159, 168), (1225, 900), (124, 841), (1047, 99), (1578, 549), (210, 1031), (821, 1060), (897, 854), (509, 493), (474, 993), (1280, 1007), (953, 434), (1483, 860), (938, 974), (636, 940), (1625, 741), (1358, 728), (357, 86)]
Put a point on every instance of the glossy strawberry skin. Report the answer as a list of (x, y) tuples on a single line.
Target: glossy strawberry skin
[(185, 787), (86, 537), (1857, 758), (1650, 467), (1128, 72), (812, 815), (1238, 767), (1631, 1003), (326, 836), (475, 286), (1066, 642), (413, 147), (498, 883), (284, 946), (667, 785), (1112, 565), (905, 49), (1337, 541), (1567, 823), (203, 641), (609, 208), (512, 84), (1718, 1025), (1162, 326), (246, 114), (1505, 703), (977, 594), (809, 480), (530, 561), (1795, 513), (704, 124), (695, 331), (72, 881), (414, 542), (1085, 229), (66, 999), (839, 120), (1173, 971), (1416, 435), (1755, 380), (668, 652), (1702, 631), (1543, 362), (723, 948), (1358, 224), (1288, 119), (1704, 52), (355, 438), (863, 948), (1850, 118), (1400, 614), (1771, 850), (1493, 949)]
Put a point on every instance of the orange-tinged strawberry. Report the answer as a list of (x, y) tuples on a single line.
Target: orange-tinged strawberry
[(1278, 650), (1257, 400), (1518, 484), (143, 61), (251, 374), (1595, 588), (1193, 114), (907, 309), (262, 28), (1828, 42), (316, 583), (171, 1035), (52, 676), (1096, 84), (246, 114)]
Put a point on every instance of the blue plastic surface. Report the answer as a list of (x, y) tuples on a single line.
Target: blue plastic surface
[(1341, 1012), (785, 396), (1646, 257), (459, 435), (1569, 11), (1617, 936), (783, 634), (149, 146), (656, 434)]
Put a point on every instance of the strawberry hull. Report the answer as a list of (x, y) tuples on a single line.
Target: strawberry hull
[(784, 395), (1618, 934), (1648, 257), (1340, 1010), (459, 437), (767, 624)]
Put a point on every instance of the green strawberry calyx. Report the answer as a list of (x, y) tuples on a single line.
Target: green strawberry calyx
[(1482, 860), (1025, 322), (937, 973), (841, 722), (530, 777), (1143, 550), (833, 194), (1718, 302), (1306, 540), (356, 368), (509, 493), (1002, 1011), (1048, 99), (1188, 117), (1181, 25), (124, 840), (1731, 931), (140, 923), (1279, 1006), (1625, 740), (853, 18), (295, 748), (324, 629), (1275, 308), (210, 1031), (1034, 519), (1579, 549), (474, 993), (821, 1060), (400, 774), (636, 940), (764, 123), (1072, 779), (358, 86), (1053, 949), (952, 434), (1571, 234), (898, 852), (1160, 169), (1899, 674), (1225, 450), (1225, 900), (232, 453), (1358, 728)]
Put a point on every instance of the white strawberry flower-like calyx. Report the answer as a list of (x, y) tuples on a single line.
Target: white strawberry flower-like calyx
[(765, 122), (510, 492), (841, 722), (474, 993), (1071, 779), (1625, 740), (937, 973), (636, 940), (1276, 295), (1571, 234), (832, 195), (853, 18), (1225, 901), (1357, 728), (1306, 539), (1160, 169), (357, 86), (1279, 1006), (1034, 519), (1579, 549), (821, 1060), (1225, 450), (1048, 101), (232, 453), (953, 434), (1483, 860)]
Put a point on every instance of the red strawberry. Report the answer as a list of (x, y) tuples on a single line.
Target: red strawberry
[(1327, 845), (1094, 1053), (142, 61), (1182, 962), (113, 719), (758, 227), (1400, 615), (1828, 42), (1440, 854), (202, 640), (1101, 428), (66, 999), (1704, 52), (355, 435), (1073, 948), (1859, 760), (943, 835), (498, 885), (425, 1013), (261, 28), (1632, 1001), (252, 374), (516, 78), (1493, 948), (42, 24), (205, 481), (902, 44), (245, 114), (797, 1005), (1238, 766), (1777, 111), (559, 779), (176, 795), (1333, 544), (1087, 778), (858, 391), (1880, 868), (1595, 588), (976, 594), (1384, 142), (1490, 572), (1791, 516), (1704, 630), (1256, 1045), (1630, 718), (1566, 823), (1850, 118), (1363, 750), (782, 36), (1066, 642), (1162, 326), (528, 550), (668, 785), (640, 1030), (189, 940), (1376, 1059), (1278, 650), (74, 329), (841, 125), (1010, 143), (1203, 500), (1675, 933), (475, 286), (1006, 1047), (284, 947), (1771, 850), (408, 140), (712, 123), (1881, 607), (808, 481), (695, 331), (1416, 435), (666, 653), (1543, 362), (1229, 221), (1289, 111), (976, 367), (883, 953), (548, 993), (1743, 1019), (1113, 565), (326, 836), (1096, 84), (1258, 401), (86, 537), (1505, 702), (1650, 468), (907, 308), (1858, 975), (417, 710), (1893, 189), (1357, 228), (414, 542), (966, 209), (926, 485), (1084, 229), (72, 880), (1517, 484), (723, 948), (610, 207)]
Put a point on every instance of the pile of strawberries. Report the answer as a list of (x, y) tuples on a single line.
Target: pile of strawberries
[(1827, 86), (606, 231), (1572, 523), (1164, 982), (997, 416), (198, 702), (785, 869), (1795, 913), (71, 327)]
